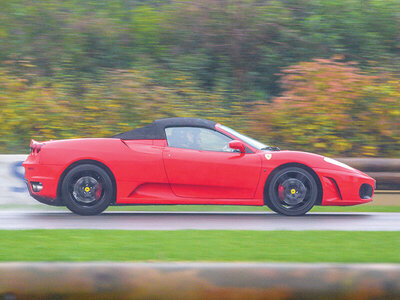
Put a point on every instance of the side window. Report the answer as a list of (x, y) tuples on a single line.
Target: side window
[(197, 138)]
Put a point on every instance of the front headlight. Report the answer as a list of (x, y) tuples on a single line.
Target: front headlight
[(338, 163)]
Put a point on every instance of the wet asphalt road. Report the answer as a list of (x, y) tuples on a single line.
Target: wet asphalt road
[(200, 220)]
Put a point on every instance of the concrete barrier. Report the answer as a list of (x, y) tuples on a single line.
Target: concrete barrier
[(386, 171), (13, 190), (373, 164), (198, 281)]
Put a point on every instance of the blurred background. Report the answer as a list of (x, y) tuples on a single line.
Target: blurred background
[(316, 75), (313, 75)]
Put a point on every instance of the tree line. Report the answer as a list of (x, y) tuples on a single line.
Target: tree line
[(318, 75)]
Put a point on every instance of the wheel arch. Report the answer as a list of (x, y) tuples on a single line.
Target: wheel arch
[(298, 165), (92, 162)]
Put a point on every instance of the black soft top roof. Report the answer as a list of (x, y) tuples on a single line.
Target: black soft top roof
[(156, 130)]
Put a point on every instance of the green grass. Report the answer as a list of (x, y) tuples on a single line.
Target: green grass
[(194, 245)]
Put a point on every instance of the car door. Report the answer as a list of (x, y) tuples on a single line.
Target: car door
[(200, 164)]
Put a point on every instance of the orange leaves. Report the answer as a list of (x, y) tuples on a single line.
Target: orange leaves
[(124, 100), (328, 106), (332, 107)]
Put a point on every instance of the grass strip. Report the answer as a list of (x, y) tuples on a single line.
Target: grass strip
[(196, 245)]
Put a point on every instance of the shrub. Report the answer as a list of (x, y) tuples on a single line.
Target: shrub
[(332, 107)]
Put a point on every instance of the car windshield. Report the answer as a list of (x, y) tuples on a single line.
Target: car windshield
[(252, 142)]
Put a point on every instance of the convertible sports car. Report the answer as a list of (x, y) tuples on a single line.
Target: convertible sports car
[(187, 161)]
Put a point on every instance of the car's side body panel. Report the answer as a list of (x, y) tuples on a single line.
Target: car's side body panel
[(213, 175), (149, 172), (132, 164)]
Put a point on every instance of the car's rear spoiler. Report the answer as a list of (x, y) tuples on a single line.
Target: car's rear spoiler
[(36, 146)]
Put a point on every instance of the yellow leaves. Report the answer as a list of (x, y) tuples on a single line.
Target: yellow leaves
[(327, 107), (331, 107), (395, 113), (93, 107), (369, 151), (112, 105), (124, 100), (28, 65), (320, 145)]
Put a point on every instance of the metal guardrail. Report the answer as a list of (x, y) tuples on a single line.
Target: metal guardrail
[(386, 171), (198, 281)]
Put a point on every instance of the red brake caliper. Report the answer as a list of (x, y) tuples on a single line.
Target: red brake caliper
[(281, 192), (98, 191)]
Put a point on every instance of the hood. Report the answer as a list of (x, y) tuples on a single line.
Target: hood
[(311, 160)]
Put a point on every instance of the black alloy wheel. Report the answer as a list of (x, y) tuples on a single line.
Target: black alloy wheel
[(87, 190), (292, 191)]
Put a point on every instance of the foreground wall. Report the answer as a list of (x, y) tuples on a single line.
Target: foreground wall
[(198, 281)]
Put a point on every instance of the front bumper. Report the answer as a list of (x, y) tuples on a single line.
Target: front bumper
[(345, 188)]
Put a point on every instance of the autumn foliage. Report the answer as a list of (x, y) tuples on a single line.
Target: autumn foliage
[(125, 100), (332, 107), (95, 68)]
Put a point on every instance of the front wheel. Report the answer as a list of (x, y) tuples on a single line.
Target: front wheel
[(87, 190), (292, 191)]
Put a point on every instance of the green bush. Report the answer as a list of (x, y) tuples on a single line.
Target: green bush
[(124, 100), (332, 107), (94, 68)]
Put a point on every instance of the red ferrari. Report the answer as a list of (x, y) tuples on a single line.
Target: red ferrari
[(187, 161)]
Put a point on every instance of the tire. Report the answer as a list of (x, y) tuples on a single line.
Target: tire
[(87, 190), (269, 205), (292, 191)]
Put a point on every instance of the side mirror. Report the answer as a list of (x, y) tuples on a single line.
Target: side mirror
[(237, 145)]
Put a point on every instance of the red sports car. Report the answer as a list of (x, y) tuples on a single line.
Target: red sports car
[(187, 161)]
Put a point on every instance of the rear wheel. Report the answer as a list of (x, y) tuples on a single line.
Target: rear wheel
[(87, 190), (292, 191)]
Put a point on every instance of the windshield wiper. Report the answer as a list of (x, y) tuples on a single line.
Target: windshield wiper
[(271, 148)]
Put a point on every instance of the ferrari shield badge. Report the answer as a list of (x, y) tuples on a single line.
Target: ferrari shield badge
[(268, 156)]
